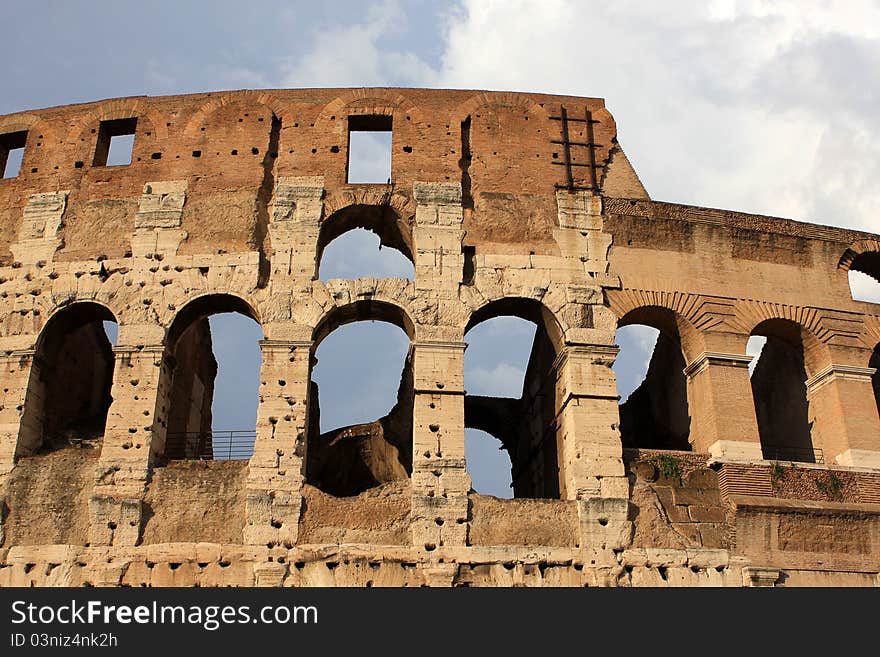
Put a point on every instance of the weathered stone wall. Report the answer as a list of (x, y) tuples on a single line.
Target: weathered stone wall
[(195, 502), (227, 205)]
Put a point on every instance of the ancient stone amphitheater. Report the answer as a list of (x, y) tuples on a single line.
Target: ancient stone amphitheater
[(507, 204)]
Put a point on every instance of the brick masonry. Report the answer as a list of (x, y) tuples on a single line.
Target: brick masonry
[(227, 204)]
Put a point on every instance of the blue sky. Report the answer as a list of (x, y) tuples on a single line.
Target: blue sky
[(768, 107)]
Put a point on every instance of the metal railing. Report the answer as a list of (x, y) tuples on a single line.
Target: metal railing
[(799, 454), (210, 445)]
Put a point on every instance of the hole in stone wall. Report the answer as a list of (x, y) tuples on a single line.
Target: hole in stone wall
[(115, 142), (636, 344), (864, 287), (754, 347), (360, 409), (488, 464), (215, 383), (12, 153), (359, 254), (780, 393), (510, 403), (649, 368), (365, 241), (69, 388), (369, 149), (469, 268)]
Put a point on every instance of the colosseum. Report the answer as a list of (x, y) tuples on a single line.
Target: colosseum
[(715, 471)]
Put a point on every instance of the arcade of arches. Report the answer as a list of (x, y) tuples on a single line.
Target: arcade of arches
[(258, 372)]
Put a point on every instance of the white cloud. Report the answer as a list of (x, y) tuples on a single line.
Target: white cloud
[(354, 55), (756, 106), (864, 287), (503, 380), (754, 347), (636, 344)]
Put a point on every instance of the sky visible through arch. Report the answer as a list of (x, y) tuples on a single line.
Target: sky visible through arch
[(751, 105)]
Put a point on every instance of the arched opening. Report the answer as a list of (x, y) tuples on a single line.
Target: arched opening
[(864, 275), (71, 378), (780, 393), (361, 400), (864, 287), (511, 398), (654, 411), (352, 244), (214, 351)]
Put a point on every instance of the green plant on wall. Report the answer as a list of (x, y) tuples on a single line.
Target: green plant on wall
[(777, 474), (830, 486), (668, 466)]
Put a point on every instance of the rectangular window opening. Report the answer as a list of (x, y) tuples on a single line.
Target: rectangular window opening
[(369, 149), (115, 142), (12, 153)]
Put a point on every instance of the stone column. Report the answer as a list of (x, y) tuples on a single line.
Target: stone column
[(440, 482), (134, 436), (722, 408), (277, 469), (844, 414)]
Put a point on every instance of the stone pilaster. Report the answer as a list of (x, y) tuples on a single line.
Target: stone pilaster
[(437, 235), (723, 420), (38, 238), (294, 224), (157, 222), (846, 425), (277, 468), (20, 430), (591, 456), (440, 481), (133, 437)]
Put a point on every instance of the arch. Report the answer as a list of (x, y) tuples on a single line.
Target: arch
[(363, 310), (525, 308), (691, 314), (780, 393), (398, 202), (121, 108), (36, 128), (191, 380), (657, 414), (368, 101), (201, 116), (527, 425), (502, 99), (381, 219), (74, 315), (68, 391), (797, 326), (349, 460), (205, 305), (19, 122), (862, 263), (864, 256)]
